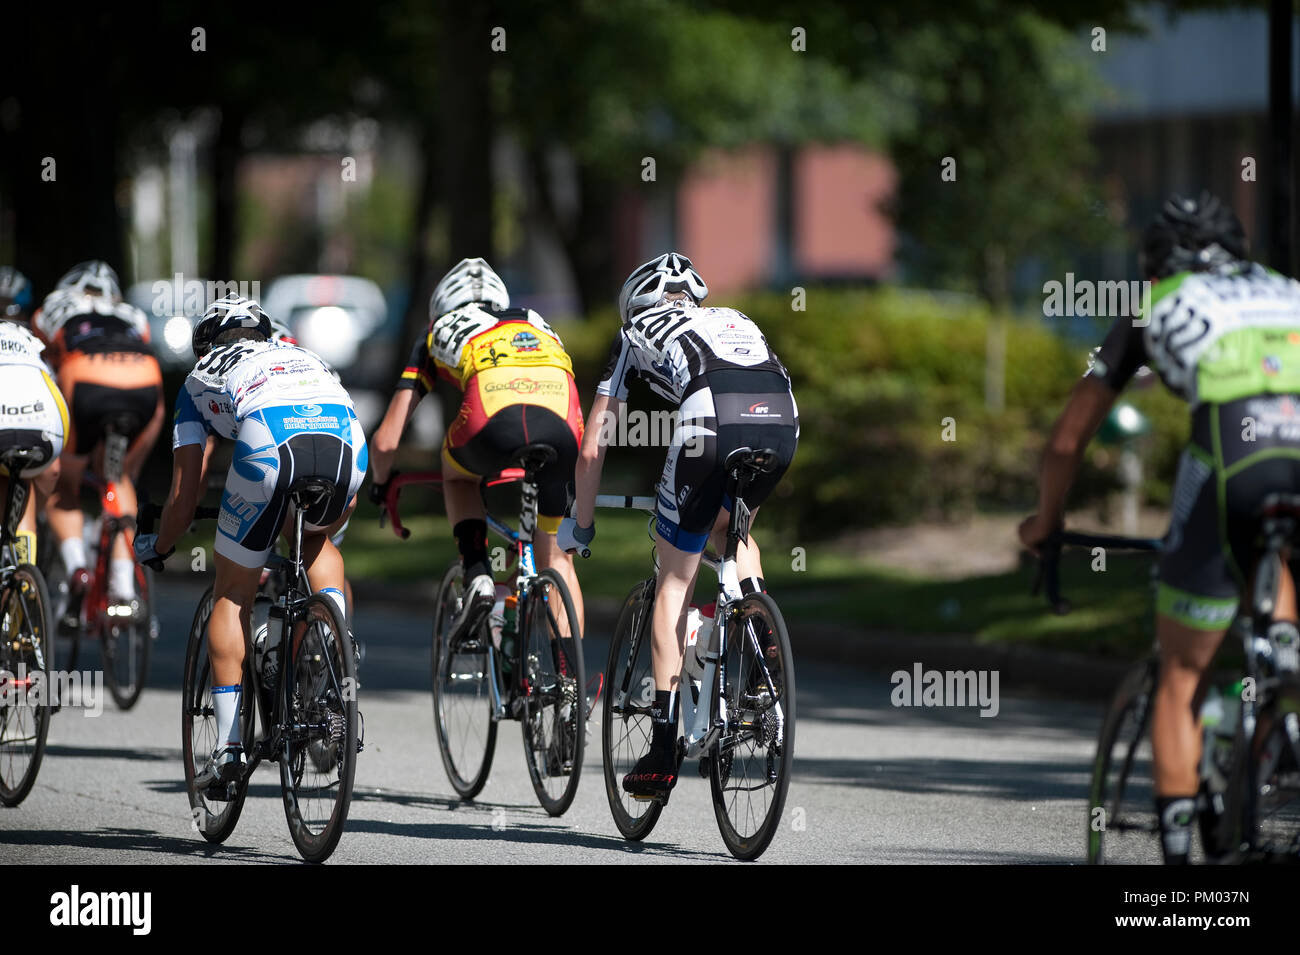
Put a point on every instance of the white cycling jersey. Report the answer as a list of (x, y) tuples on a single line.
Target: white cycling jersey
[(18, 346), (234, 380), (672, 344)]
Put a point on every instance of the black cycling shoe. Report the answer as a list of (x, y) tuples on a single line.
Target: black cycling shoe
[(223, 774), (655, 773)]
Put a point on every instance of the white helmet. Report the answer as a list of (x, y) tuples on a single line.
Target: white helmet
[(470, 280), (94, 277), (648, 283)]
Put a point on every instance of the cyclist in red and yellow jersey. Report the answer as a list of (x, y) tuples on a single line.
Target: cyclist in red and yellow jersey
[(518, 388)]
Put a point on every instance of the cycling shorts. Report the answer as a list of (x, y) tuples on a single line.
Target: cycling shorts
[(32, 415), (275, 447), (104, 385), (1239, 452), (507, 408), (720, 412)]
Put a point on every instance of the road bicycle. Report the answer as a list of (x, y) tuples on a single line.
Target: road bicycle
[(539, 681), (26, 692), (309, 722), (1248, 803), (738, 717), (126, 631)]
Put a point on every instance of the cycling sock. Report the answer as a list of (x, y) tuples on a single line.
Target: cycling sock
[(1175, 814), (471, 541), (663, 720), (121, 578), (337, 596), (225, 704), (73, 552), (753, 585)]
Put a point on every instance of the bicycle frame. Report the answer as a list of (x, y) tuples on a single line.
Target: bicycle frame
[(95, 606)]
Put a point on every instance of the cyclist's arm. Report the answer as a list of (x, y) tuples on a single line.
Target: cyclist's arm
[(383, 445), (1086, 409), (178, 512), (591, 459)]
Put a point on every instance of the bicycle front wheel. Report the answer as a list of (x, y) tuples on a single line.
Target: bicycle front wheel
[(1121, 799), (127, 642), (750, 765), (462, 697), (625, 718), (213, 819), (26, 694), (319, 759), (554, 684)]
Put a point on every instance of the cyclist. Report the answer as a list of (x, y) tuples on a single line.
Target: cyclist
[(32, 411), (289, 419), (518, 388), (99, 347), (1224, 335), (731, 391)]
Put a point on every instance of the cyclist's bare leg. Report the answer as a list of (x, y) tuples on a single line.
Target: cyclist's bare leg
[(550, 555), (748, 558), (64, 509), (1185, 655), (232, 596), (677, 570), (461, 493), (136, 455)]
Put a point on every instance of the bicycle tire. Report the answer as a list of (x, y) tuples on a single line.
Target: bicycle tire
[(749, 712), (196, 704), (1124, 731), (28, 584), (466, 770), (555, 687), (627, 671), (126, 683), (1263, 795), (319, 692)]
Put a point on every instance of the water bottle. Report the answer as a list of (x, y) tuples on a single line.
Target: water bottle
[(1212, 715), (267, 625), (699, 626)]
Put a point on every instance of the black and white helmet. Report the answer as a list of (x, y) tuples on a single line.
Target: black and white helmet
[(94, 277), (470, 280), (649, 283), (225, 314)]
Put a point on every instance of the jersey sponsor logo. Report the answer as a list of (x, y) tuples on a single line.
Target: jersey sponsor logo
[(35, 408), (220, 407), (1271, 364), (525, 341), (526, 386), (308, 411)]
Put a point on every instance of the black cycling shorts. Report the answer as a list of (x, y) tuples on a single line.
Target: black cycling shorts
[(494, 445), (721, 412), (94, 406), (1239, 453)]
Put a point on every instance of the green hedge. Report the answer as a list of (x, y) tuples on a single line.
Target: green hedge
[(875, 374)]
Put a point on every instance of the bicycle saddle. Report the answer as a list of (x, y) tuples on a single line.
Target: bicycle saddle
[(21, 457), (124, 423), (310, 491), (534, 457), (751, 460)]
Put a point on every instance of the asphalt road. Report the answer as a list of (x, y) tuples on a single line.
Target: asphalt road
[(873, 783)]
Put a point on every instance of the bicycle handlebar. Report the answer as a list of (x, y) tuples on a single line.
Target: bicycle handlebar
[(398, 481), (1048, 578)]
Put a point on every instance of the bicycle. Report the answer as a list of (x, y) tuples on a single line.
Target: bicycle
[(309, 722), (738, 718), (1248, 800), (126, 631), (26, 693), (540, 682)]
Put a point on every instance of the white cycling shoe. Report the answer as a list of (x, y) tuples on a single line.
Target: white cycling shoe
[(475, 602)]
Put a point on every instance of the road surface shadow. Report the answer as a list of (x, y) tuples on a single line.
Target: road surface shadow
[(993, 778), (129, 840)]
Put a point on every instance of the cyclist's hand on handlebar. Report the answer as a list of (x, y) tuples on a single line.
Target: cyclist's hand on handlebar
[(379, 490), (1033, 532), (146, 551), (574, 539)]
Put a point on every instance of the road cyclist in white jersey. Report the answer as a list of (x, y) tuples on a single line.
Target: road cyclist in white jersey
[(289, 419)]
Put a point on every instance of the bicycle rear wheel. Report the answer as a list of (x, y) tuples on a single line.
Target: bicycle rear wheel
[(318, 763), (213, 819), (462, 696), (625, 717), (1263, 808), (1116, 806), (554, 692), (751, 763), (25, 689), (127, 642)]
